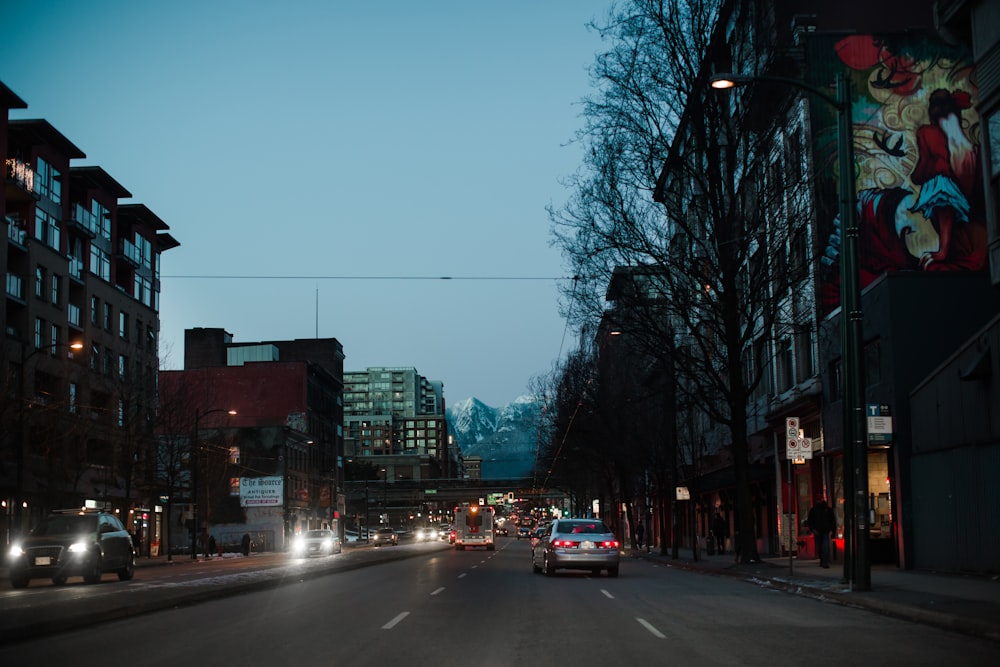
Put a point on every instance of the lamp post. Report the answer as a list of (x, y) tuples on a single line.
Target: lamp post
[(22, 423), (194, 476), (857, 568)]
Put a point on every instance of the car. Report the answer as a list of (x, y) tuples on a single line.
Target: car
[(70, 543), (384, 536), (523, 531), (576, 544), (317, 542), (502, 530), (425, 534)]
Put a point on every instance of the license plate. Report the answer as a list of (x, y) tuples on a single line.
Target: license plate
[(43, 560), (587, 545)]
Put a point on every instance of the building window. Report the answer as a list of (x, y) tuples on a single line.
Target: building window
[(72, 398), (95, 307), (804, 366), (39, 282), (53, 337), (106, 316), (95, 357), (122, 366), (48, 181), (103, 219), (784, 365), (123, 325), (47, 229), (100, 263), (39, 333), (56, 283)]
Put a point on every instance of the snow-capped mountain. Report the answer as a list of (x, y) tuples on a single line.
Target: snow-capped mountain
[(504, 438)]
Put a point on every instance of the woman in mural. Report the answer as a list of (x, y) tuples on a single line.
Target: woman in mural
[(947, 172)]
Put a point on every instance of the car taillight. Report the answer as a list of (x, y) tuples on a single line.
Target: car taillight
[(608, 544), (565, 544)]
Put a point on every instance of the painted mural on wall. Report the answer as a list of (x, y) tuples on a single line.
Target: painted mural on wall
[(916, 141)]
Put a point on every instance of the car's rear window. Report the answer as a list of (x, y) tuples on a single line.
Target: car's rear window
[(584, 527)]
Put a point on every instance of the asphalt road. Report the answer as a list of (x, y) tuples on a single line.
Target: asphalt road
[(438, 606)]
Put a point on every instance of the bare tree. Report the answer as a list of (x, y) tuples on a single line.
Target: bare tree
[(713, 249)]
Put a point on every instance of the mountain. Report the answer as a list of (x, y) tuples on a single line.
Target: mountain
[(504, 438)]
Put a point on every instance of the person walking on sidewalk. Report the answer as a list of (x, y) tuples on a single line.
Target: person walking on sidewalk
[(639, 534), (720, 531), (822, 522)]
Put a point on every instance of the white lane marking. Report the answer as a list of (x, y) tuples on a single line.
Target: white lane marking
[(438, 591), (462, 575), (391, 624), (607, 594), (653, 631), (474, 567)]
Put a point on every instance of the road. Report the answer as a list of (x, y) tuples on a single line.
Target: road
[(440, 606)]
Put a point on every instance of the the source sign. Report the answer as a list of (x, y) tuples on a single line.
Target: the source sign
[(261, 491)]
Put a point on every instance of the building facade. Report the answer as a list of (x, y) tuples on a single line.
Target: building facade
[(81, 330), (285, 430)]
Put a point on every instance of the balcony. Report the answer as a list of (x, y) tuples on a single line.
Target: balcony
[(19, 181), (129, 252), (76, 268), (16, 232), (84, 221)]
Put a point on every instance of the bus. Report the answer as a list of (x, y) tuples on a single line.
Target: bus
[(474, 527)]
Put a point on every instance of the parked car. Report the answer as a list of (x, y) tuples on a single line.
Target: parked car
[(576, 544), (319, 542), (384, 536), (70, 543)]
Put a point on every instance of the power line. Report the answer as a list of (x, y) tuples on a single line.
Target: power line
[(272, 277)]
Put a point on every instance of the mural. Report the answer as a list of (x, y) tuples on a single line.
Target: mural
[(917, 168)]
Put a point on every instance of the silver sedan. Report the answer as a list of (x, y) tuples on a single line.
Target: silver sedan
[(576, 544)]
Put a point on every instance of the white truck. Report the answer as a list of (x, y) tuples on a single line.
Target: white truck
[(474, 527)]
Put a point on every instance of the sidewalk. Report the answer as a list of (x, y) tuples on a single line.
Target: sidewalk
[(967, 604)]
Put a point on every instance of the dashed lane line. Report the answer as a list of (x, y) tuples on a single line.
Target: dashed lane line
[(391, 624), (649, 626)]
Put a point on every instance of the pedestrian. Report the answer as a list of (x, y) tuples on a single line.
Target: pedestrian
[(639, 532), (822, 522), (245, 544), (211, 546), (720, 531)]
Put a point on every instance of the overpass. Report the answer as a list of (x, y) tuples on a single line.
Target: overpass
[(403, 497)]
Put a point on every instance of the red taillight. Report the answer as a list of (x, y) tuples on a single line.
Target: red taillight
[(609, 544), (565, 544)]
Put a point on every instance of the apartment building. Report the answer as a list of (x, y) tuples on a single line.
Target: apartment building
[(80, 328), (395, 416)]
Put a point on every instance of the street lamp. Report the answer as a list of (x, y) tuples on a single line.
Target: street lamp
[(22, 425), (857, 568), (194, 476)]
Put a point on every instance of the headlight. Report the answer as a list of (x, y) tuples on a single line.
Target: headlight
[(15, 551), (298, 545), (78, 548)]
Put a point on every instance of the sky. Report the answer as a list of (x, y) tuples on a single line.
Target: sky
[(324, 163)]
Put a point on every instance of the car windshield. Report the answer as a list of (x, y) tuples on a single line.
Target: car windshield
[(586, 527), (317, 534), (66, 525)]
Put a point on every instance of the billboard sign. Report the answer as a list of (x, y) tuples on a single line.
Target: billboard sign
[(261, 491)]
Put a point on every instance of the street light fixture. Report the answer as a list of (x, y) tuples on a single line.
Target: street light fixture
[(19, 502), (193, 454), (857, 569)]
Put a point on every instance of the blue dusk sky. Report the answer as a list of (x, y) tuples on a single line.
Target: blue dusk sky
[(317, 159)]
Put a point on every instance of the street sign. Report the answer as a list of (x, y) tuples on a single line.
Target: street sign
[(879, 423), (683, 493), (792, 427)]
